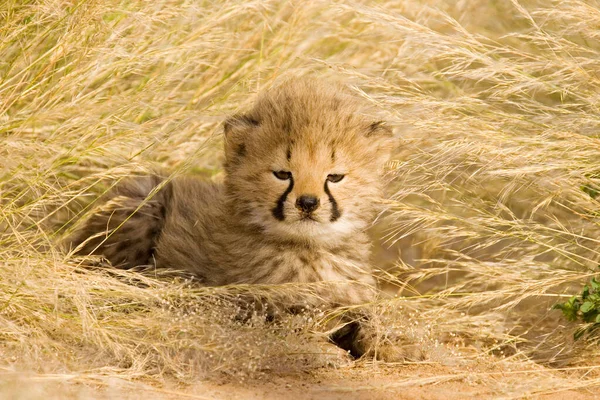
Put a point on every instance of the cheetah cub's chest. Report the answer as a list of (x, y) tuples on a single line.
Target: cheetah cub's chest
[(342, 275)]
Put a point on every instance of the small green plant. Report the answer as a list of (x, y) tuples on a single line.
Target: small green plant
[(584, 307)]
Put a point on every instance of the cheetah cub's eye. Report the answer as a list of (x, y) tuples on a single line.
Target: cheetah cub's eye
[(335, 177), (283, 175)]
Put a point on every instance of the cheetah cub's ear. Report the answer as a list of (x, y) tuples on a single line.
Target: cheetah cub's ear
[(379, 129), (381, 138), (237, 128)]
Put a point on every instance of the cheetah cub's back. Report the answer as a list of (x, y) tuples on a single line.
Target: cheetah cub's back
[(302, 177)]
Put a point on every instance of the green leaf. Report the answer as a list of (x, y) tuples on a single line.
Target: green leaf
[(569, 308), (573, 302), (595, 284), (587, 307)]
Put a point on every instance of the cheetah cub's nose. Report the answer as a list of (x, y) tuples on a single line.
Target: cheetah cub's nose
[(307, 203)]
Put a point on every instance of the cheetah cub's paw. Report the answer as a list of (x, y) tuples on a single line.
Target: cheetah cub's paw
[(332, 356), (395, 352), (363, 341)]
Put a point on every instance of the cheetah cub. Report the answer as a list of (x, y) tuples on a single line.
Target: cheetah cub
[(302, 178)]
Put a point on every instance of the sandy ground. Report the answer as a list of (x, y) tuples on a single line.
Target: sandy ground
[(425, 381), (405, 382)]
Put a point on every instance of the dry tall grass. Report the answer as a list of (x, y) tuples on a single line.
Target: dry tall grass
[(495, 104)]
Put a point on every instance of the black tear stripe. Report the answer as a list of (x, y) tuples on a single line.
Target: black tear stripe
[(278, 210), (335, 211)]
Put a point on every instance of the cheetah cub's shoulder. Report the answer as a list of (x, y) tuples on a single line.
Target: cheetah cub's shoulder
[(302, 179)]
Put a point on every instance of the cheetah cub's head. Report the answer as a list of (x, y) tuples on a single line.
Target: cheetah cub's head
[(304, 163)]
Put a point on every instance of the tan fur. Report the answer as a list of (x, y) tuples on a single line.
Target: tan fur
[(242, 231)]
